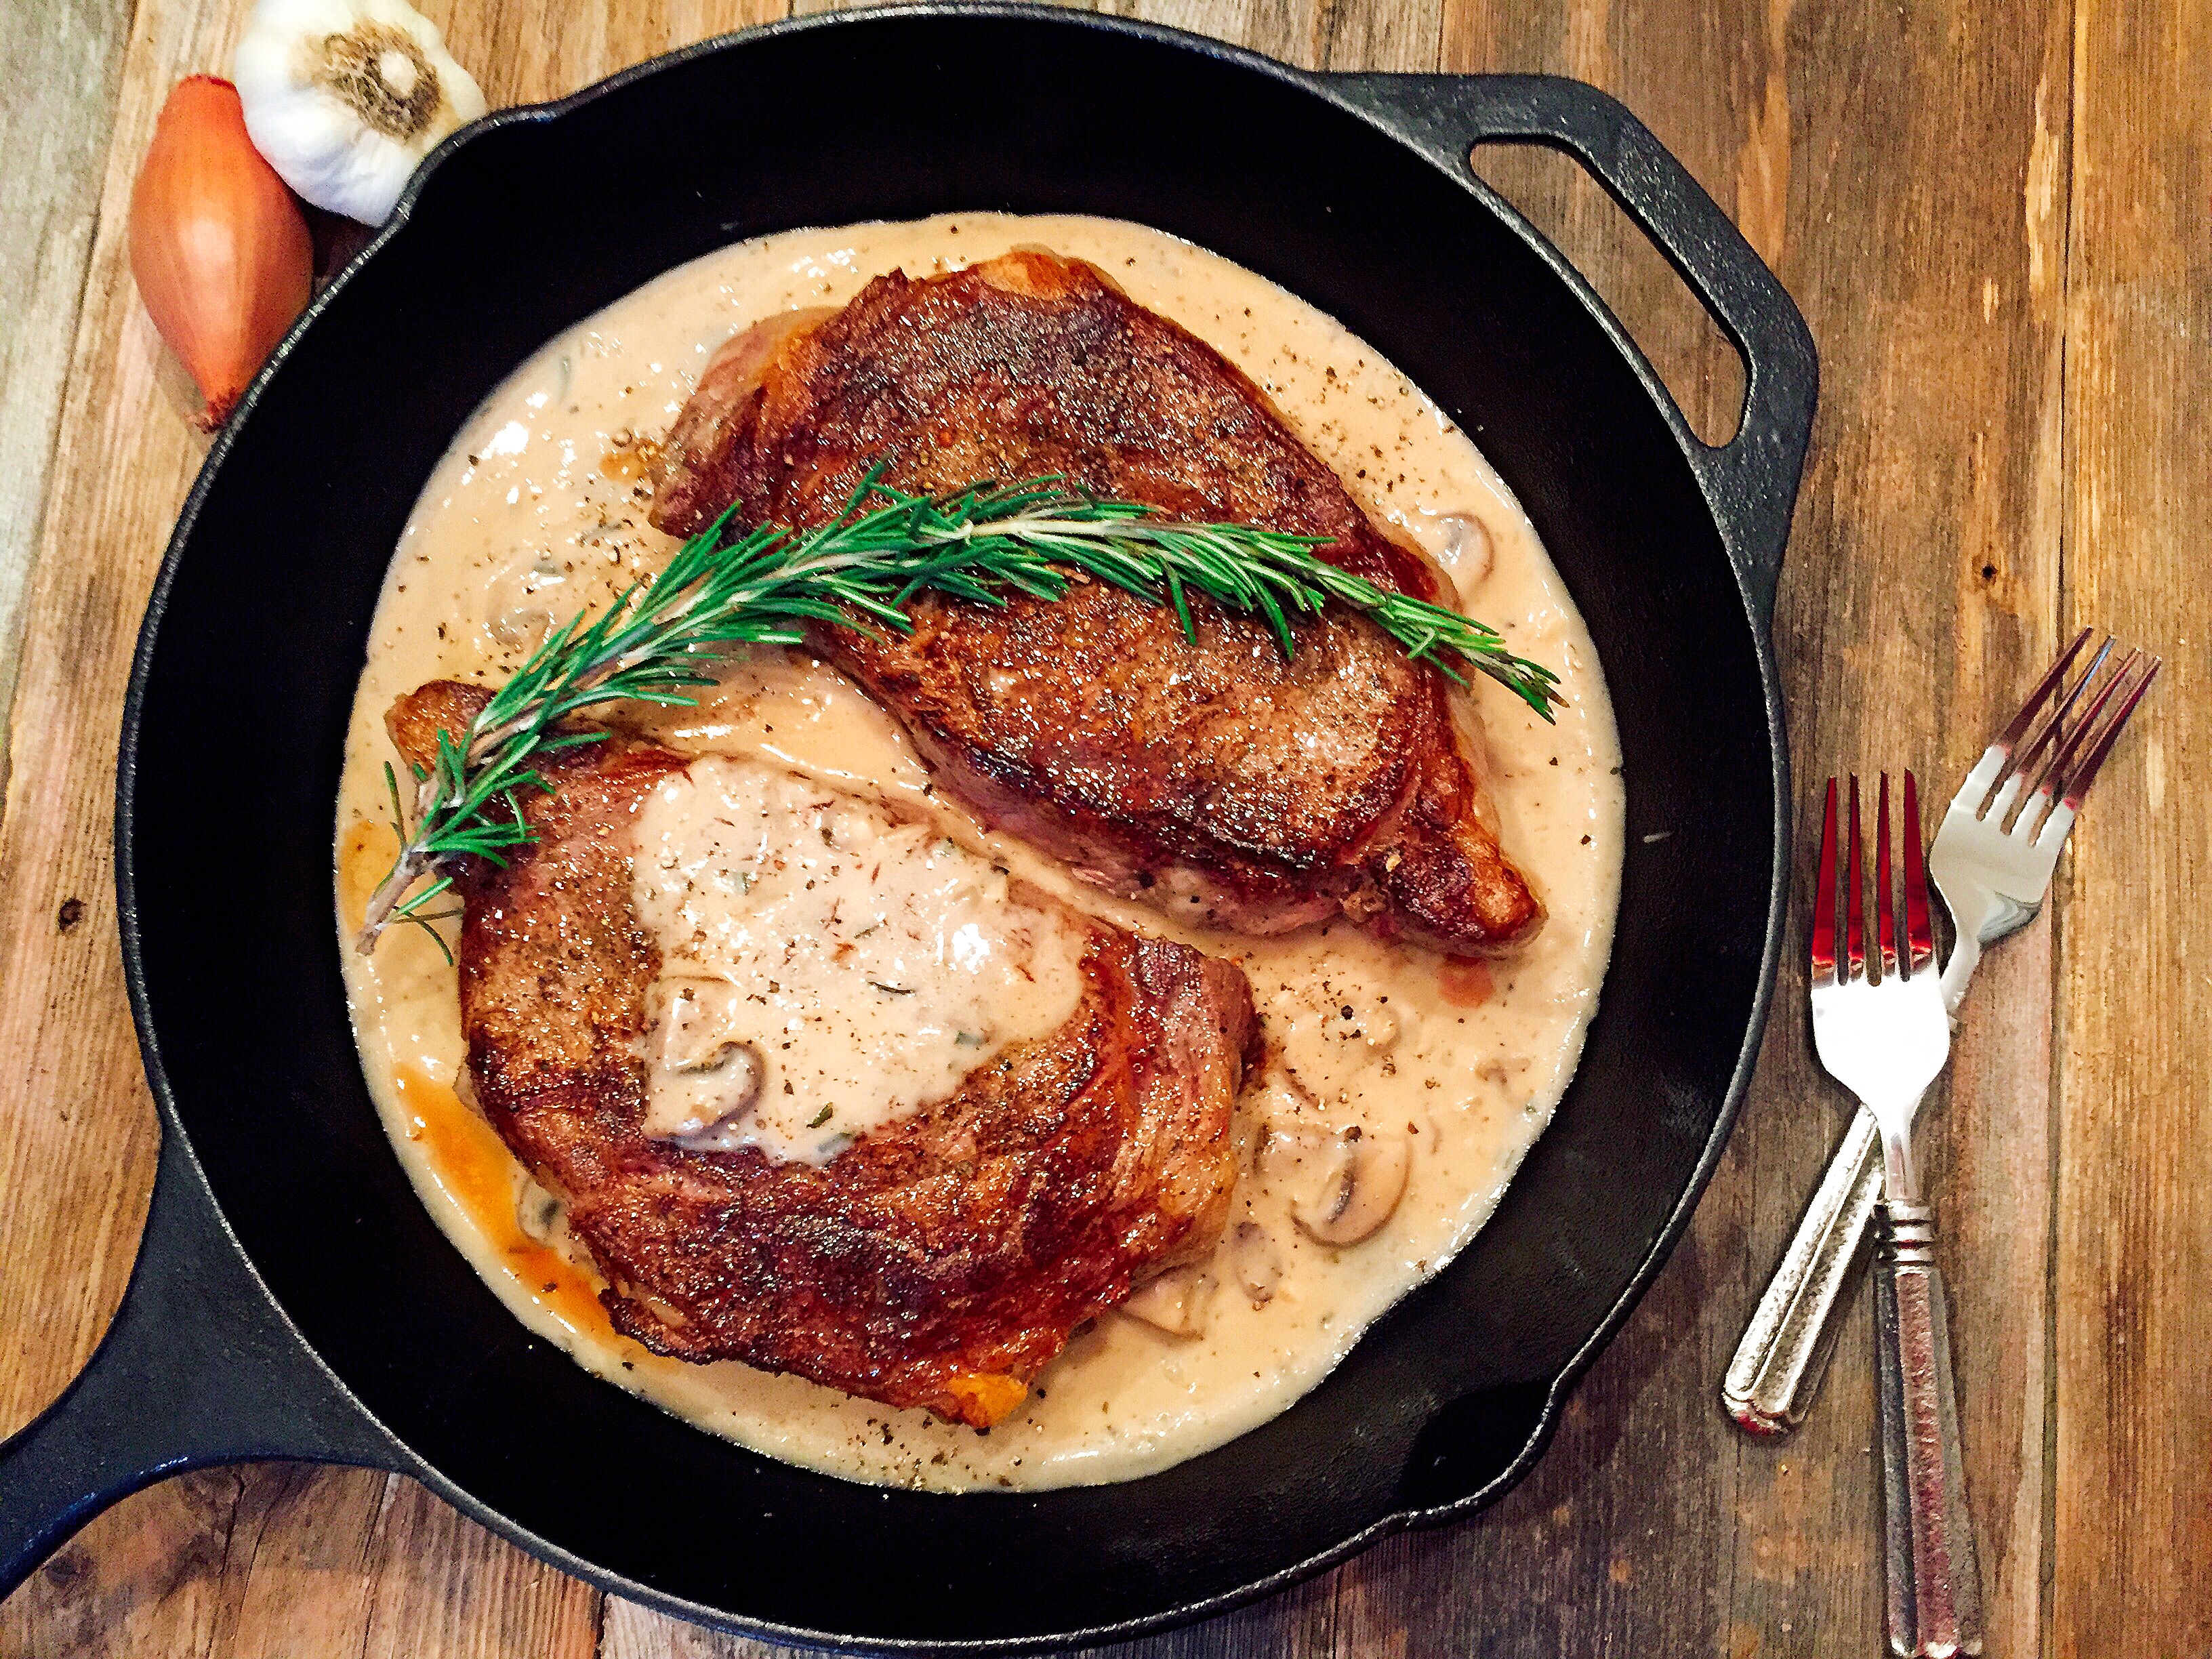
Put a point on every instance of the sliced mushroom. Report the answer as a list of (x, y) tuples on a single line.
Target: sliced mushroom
[(1365, 1178), (1283, 1150), (1277, 1106), (1278, 1092), (538, 1212), (1253, 1261), (1175, 1302), (1379, 1030), (717, 1123), (1469, 552), (694, 1033), (522, 598), (706, 1078)]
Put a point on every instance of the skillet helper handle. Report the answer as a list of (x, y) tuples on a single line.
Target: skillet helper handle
[(199, 1368), (1752, 479), (1778, 1366), (1928, 1563)]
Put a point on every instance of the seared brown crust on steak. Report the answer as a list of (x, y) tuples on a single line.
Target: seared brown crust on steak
[(939, 1261), (1212, 778)]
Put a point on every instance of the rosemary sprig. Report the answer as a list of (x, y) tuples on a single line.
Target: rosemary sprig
[(659, 638)]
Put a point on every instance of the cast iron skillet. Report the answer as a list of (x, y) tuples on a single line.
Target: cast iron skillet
[(293, 1298)]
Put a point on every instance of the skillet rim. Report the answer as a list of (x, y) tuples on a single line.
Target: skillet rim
[(1331, 88)]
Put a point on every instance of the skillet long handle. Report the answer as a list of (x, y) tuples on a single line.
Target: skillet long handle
[(1751, 481), (199, 1368)]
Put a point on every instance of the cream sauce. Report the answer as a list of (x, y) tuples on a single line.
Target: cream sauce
[(1447, 1070), (825, 969)]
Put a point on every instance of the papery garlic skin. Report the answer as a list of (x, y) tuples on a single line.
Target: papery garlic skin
[(344, 97)]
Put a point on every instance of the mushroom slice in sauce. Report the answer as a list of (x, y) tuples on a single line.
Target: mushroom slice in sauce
[(522, 598), (1175, 1302), (1253, 1261), (717, 1077), (1469, 552), (1365, 1178), (538, 1212)]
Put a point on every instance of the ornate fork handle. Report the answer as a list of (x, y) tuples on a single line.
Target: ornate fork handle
[(1784, 1352), (1934, 1579)]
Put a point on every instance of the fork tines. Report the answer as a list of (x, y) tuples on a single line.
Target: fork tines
[(1824, 896), (2049, 751), (1918, 934)]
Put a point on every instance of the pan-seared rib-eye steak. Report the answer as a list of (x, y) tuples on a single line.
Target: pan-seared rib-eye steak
[(1212, 778), (938, 1261)]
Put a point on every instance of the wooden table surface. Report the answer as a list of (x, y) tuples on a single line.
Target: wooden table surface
[(1994, 214)]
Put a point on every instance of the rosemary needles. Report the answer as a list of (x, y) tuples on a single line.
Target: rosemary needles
[(764, 587)]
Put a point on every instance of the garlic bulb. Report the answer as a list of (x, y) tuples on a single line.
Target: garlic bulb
[(345, 96)]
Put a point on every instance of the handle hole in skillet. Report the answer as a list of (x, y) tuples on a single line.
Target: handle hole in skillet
[(1701, 367)]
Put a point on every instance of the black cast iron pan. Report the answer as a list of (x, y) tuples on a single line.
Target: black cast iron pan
[(294, 1299)]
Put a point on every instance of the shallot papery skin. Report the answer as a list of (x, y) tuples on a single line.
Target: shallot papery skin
[(219, 248)]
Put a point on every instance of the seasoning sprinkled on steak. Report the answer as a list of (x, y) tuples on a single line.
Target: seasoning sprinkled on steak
[(938, 1261), (1210, 778)]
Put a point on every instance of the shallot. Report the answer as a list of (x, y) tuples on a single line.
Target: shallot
[(220, 250)]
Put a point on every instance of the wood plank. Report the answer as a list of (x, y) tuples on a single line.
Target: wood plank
[(1928, 604), (59, 60), (1695, 112), (2133, 1483), (1619, 1538), (1296, 1625), (271, 1561)]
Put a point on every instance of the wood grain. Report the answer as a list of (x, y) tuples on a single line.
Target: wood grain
[(1929, 601), (1992, 213), (59, 64), (2133, 1532)]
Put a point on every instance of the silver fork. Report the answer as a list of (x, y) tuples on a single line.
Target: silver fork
[(1886, 1040), (1993, 877)]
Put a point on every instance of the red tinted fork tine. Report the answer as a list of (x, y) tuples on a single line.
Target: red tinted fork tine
[(1854, 898), (2012, 734), (1824, 896), (2024, 758), (1919, 936), (2062, 760), (1885, 920), (2078, 784)]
